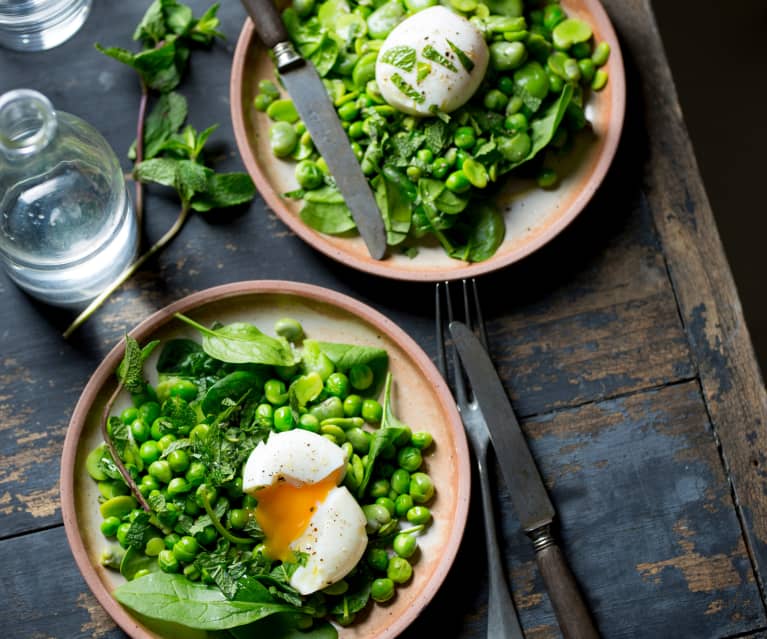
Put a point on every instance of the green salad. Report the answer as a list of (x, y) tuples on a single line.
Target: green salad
[(433, 175), (180, 519)]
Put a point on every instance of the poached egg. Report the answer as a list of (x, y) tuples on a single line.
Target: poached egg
[(294, 475), (432, 61)]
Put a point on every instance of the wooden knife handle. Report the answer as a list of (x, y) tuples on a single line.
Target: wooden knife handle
[(569, 607), (267, 21)]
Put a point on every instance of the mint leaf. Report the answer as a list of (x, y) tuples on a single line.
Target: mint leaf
[(158, 170), (131, 369), (164, 121), (224, 189), (151, 29)]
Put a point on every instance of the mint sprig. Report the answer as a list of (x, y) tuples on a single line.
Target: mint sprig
[(165, 153)]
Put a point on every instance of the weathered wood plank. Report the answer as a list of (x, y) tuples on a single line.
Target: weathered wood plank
[(45, 595), (708, 300)]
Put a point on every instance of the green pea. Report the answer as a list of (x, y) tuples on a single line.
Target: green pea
[(399, 570), (190, 506), (553, 14), (421, 440), (327, 408), (268, 88), (282, 139), (160, 427), (283, 419), (588, 69), (179, 460), (600, 80), (262, 101), (196, 473), (337, 384), (409, 458), (387, 503), (377, 558), (149, 411), (147, 395), (170, 539), (361, 376), (309, 422), (376, 515), (185, 389), (515, 123), (421, 488), (161, 471), (207, 535), (405, 545), (191, 572), (556, 83), (440, 167), (166, 440), (147, 485), (110, 525), (275, 391), (458, 182), (601, 54), (506, 85), (414, 173), (352, 405), (237, 518), (129, 414), (303, 7), (418, 515), (547, 178), (379, 488), (265, 415), (117, 506), (475, 173), (400, 481), (425, 155), (506, 56), (464, 137), (532, 79), (122, 534), (178, 486), (382, 589), (308, 176), (516, 148), (581, 50), (495, 100), (167, 561), (372, 411), (154, 546)]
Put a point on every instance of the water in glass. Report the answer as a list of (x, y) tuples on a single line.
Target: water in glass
[(36, 25)]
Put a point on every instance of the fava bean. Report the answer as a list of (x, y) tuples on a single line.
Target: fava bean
[(282, 139)]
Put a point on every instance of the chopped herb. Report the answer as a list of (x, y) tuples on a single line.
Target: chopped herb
[(402, 57), (407, 89), (430, 53), (466, 61), (423, 70)]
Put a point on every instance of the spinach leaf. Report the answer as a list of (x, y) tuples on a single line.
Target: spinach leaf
[(185, 358), (243, 343), (396, 209), (234, 386), (344, 356), (134, 560), (544, 128), (487, 232), (176, 599), (332, 219), (391, 428)]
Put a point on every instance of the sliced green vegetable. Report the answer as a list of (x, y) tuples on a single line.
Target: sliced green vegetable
[(430, 53)]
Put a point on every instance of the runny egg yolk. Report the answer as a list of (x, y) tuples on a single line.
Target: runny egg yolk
[(284, 511)]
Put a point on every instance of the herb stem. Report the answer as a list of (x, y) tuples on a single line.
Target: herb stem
[(219, 526), (193, 324), (113, 451), (140, 150), (128, 272)]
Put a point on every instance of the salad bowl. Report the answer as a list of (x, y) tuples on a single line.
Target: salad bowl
[(419, 397), (532, 216)]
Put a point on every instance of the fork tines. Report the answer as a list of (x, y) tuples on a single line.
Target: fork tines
[(472, 317)]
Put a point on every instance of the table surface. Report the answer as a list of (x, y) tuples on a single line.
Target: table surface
[(622, 344)]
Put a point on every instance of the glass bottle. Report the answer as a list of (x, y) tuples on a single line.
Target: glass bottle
[(67, 226), (37, 25)]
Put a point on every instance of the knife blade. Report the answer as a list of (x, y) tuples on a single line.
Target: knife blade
[(528, 492), (313, 104)]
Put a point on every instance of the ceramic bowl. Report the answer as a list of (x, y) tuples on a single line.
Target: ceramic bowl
[(420, 398), (533, 216)]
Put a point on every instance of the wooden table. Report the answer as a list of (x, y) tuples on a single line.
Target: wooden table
[(623, 345)]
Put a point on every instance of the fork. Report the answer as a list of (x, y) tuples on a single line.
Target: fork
[(502, 620)]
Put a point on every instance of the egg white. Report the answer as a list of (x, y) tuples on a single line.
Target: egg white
[(443, 88)]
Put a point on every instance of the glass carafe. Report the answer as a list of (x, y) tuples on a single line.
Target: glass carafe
[(67, 226)]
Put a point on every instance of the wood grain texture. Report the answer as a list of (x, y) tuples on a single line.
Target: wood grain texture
[(708, 301)]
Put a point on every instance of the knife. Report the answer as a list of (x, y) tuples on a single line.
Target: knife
[(528, 493), (313, 104)]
